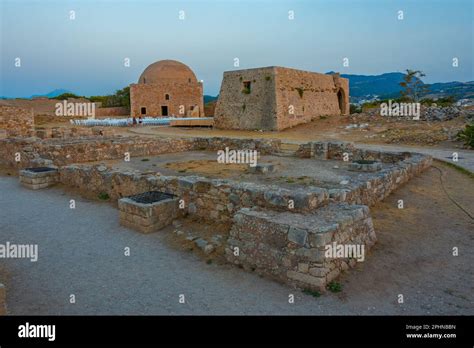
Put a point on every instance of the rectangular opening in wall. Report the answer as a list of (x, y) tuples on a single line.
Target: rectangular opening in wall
[(247, 87), (164, 110), (143, 111)]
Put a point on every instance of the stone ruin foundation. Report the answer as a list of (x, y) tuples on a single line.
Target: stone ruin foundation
[(274, 238)]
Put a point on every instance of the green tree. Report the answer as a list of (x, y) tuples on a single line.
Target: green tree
[(414, 88)]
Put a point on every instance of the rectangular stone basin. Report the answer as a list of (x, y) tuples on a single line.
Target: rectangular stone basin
[(38, 178), (149, 211)]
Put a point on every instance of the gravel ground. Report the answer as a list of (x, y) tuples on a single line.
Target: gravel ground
[(81, 252)]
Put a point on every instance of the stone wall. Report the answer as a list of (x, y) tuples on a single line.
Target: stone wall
[(278, 98), (16, 121), (291, 247), (112, 111), (214, 200), (91, 149), (152, 97), (256, 110), (303, 96)]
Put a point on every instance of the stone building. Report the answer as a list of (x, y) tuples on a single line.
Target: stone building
[(167, 88), (275, 98)]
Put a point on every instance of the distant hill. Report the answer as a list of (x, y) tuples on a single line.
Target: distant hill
[(388, 86), (52, 94), (209, 98)]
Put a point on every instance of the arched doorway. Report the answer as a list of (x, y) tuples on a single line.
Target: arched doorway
[(341, 99)]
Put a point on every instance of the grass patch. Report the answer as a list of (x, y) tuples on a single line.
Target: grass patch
[(103, 196), (182, 171), (145, 159), (458, 168), (323, 117), (334, 287), (209, 261), (313, 293)]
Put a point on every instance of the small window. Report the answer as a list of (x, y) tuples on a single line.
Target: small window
[(144, 80), (247, 87), (143, 111), (191, 107), (189, 80), (167, 96)]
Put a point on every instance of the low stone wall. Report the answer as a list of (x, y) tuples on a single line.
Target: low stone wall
[(336, 150), (73, 132), (112, 111), (292, 247), (214, 200), (16, 121), (383, 183), (92, 149)]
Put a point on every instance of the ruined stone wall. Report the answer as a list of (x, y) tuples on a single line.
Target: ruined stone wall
[(237, 109), (303, 96), (63, 151), (152, 97), (112, 111), (278, 98), (214, 200), (16, 121), (290, 247)]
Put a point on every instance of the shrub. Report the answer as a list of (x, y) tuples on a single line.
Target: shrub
[(467, 135), (65, 96), (334, 287), (246, 90), (103, 196), (313, 293), (355, 109), (446, 101)]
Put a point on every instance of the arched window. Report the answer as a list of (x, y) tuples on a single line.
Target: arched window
[(167, 96)]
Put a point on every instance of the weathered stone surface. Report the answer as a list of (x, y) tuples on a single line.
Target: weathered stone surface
[(254, 232), (261, 98), (148, 217)]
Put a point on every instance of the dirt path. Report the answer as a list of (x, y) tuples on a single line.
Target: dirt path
[(81, 252)]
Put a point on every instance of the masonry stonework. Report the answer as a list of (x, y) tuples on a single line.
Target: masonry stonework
[(275, 98), (16, 121), (167, 88)]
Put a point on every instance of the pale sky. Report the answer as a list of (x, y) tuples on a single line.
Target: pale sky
[(86, 55)]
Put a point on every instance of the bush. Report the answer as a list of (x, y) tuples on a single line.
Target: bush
[(467, 135), (65, 96), (313, 293), (334, 287), (446, 101), (103, 196), (355, 109)]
